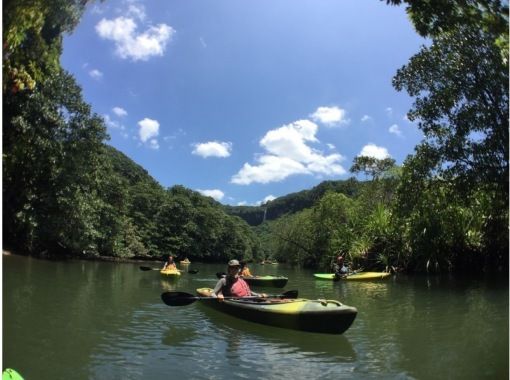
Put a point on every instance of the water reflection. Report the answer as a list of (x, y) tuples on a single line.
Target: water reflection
[(168, 285), (324, 287)]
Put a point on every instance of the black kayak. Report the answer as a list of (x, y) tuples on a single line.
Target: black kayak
[(320, 316), (269, 281)]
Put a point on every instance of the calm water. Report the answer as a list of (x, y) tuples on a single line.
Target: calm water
[(96, 320)]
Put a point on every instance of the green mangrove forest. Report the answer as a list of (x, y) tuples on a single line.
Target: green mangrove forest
[(66, 192)]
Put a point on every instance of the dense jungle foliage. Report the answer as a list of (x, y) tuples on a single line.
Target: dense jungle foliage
[(65, 192)]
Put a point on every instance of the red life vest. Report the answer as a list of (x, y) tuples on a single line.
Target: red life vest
[(239, 288)]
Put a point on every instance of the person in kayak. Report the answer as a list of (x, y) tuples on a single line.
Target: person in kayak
[(245, 271), (232, 285), (339, 269), (170, 263)]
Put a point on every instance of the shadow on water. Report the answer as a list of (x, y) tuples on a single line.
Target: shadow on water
[(309, 344)]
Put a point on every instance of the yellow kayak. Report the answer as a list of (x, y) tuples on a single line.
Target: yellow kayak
[(170, 272), (355, 276)]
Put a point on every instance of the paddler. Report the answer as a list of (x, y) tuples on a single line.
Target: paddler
[(170, 264), (232, 285), (245, 271), (339, 269)]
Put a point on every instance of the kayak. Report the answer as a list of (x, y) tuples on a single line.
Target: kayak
[(270, 281), (320, 316), (355, 276), (170, 272), (10, 374)]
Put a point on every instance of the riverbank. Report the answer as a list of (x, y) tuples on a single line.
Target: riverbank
[(135, 260)]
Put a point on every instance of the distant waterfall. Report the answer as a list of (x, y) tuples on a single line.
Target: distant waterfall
[(264, 219)]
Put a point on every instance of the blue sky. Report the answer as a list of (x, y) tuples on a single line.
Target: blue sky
[(245, 101)]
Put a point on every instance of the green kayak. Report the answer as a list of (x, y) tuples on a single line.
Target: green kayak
[(321, 316), (10, 374), (269, 281), (354, 276)]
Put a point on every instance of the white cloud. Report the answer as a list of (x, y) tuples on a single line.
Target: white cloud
[(329, 116), (389, 111), (214, 193), (202, 42), (395, 130), (287, 153), (331, 146), (290, 140), (268, 169), (148, 129), (212, 149), (119, 111), (242, 203), (372, 150), (366, 118), (95, 74), (130, 44)]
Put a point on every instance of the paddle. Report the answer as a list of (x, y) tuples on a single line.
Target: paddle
[(183, 299), (149, 268), (220, 274)]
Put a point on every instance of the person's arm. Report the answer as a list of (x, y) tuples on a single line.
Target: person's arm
[(219, 286)]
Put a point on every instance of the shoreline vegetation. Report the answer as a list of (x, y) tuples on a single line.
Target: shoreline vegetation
[(445, 209), (87, 258)]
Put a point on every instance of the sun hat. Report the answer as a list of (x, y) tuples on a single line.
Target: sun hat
[(234, 263)]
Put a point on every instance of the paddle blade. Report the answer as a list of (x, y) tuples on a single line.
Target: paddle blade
[(145, 268), (290, 294), (177, 298), (193, 271), (220, 274)]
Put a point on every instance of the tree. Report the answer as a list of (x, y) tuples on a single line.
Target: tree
[(372, 166), (32, 39), (462, 106), (460, 83)]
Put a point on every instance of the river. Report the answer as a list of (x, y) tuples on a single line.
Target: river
[(100, 320)]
